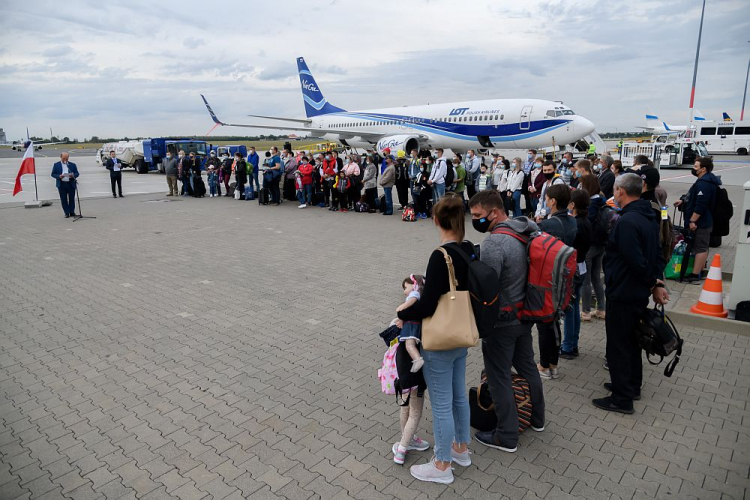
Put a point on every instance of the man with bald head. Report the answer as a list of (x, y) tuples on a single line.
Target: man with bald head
[(65, 174)]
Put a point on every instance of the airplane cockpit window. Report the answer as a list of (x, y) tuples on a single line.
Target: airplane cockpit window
[(551, 112), (567, 112)]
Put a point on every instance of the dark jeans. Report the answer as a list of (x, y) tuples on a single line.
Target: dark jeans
[(402, 191), (307, 189), (424, 197), (67, 192), (512, 346), (327, 189), (115, 178), (623, 353), (549, 343), (470, 190), (339, 199), (227, 177), (275, 191), (255, 179)]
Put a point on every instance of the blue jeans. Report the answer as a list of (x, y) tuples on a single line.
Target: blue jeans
[(572, 321), (534, 204), (300, 197), (445, 374), (254, 178), (438, 191), (308, 190), (517, 203), (388, 191)]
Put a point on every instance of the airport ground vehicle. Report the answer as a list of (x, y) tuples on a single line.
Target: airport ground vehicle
[(665, 150), (147, 154), (723, 137)]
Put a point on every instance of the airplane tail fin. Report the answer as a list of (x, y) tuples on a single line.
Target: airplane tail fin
[(652, 121), (315, 103), (726, 117), (698, 116)]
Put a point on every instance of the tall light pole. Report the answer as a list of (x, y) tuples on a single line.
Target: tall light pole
[(744, 96), (695, 68)]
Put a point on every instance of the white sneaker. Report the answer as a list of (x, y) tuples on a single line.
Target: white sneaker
[(429, 472), (554, 372), (399, 453), (302, 206), (537, 429), (462, 459)]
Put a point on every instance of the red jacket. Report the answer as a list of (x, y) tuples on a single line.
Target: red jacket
[(330, 168), (307, 174)]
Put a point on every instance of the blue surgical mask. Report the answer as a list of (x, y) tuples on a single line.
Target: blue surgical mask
[(537, 165), (529, 156)]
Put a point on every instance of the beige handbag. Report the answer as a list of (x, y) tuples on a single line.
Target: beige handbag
[(453, 324)]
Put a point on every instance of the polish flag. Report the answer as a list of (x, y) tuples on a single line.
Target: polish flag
[(27, 167)]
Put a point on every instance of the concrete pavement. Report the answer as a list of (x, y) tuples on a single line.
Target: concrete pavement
[(218, 349)]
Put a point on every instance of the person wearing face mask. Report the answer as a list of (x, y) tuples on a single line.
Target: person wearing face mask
[(535, 188), (565, 167), (511, 344), (328, 174), (290, 166), (276, 173), (423, 190), (581, 168), (551, 178), (226, 174), (500, 174), (252, 164), (528, 167), (183, 164), (471, 165), (170, 171), (606, 177), (632, 271), (560, 225), (413, 171), (701, 199), (515, 183), (370, 181)]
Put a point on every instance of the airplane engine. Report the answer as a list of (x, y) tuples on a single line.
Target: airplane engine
[(398, 143), (356, 142)]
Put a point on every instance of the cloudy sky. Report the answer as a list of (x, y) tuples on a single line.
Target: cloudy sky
[(136, 68)]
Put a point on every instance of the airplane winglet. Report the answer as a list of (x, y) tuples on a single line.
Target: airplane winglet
[(211, 112)]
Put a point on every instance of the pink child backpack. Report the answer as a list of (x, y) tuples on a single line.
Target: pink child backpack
[(388, 372)]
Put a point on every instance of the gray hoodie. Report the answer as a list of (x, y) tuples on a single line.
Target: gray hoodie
[(507, 256)]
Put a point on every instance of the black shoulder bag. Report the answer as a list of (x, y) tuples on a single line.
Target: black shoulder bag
[(658, 336)]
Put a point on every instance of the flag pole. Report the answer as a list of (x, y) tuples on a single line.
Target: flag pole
[(36, 189), (695, 67)]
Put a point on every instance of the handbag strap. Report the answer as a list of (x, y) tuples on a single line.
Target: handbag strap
[(452, 283), (479, 399)]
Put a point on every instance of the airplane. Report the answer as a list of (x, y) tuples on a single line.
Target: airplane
[(657, 126), (459, 126), (22, 145)]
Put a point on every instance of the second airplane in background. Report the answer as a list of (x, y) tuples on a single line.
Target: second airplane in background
[(459, 126)]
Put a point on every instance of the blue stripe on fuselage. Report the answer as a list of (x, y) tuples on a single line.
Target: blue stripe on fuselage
[(464, 131)]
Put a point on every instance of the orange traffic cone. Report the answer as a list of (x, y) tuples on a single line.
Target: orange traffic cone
[(711, 301)]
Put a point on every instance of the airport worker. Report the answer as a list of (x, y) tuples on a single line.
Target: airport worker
[(252, 161), (606, 177), (592, 149), (65, 174), (510, 345), (631, 273), (701, 199), (170, 171), (115, 173)]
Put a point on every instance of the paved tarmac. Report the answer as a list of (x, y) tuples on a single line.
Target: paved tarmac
[(214, 348)]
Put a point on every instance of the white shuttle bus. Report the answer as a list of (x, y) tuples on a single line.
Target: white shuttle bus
[(724, 137)]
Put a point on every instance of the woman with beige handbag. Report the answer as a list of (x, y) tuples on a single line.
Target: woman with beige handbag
[(448, 329)]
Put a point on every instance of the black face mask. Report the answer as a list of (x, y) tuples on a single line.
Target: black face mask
[(694, 172), (548, 175), (482, 225)]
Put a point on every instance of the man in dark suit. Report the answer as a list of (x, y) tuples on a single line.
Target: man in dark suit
[(65, 174), (606, 177), (115, 173)]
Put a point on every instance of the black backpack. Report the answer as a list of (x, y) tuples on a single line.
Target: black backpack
[(449, 175), (484, 289), (658, 336), (605, 221), (722, 213)]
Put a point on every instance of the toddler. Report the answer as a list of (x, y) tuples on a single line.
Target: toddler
[(411, 334), (213, 181)]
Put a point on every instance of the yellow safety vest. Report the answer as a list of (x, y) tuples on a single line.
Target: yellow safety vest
[(592, 148)]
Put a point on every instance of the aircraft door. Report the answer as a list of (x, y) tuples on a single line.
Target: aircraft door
[(525, 120)]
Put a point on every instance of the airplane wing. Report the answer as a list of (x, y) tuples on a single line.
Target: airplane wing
[(319, 133)]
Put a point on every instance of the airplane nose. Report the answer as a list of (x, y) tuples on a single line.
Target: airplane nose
[(584, 126)]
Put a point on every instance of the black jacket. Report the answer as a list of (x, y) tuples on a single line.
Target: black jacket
[(607, 183), (110, 165), (240, 172), (436, 281), (632, 262), (582, 241), (702, 200), (560, 225)]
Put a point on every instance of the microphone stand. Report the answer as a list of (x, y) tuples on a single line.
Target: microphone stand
[(80, 212)]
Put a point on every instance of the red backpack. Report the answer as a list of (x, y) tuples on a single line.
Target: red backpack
[(549, 286)]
